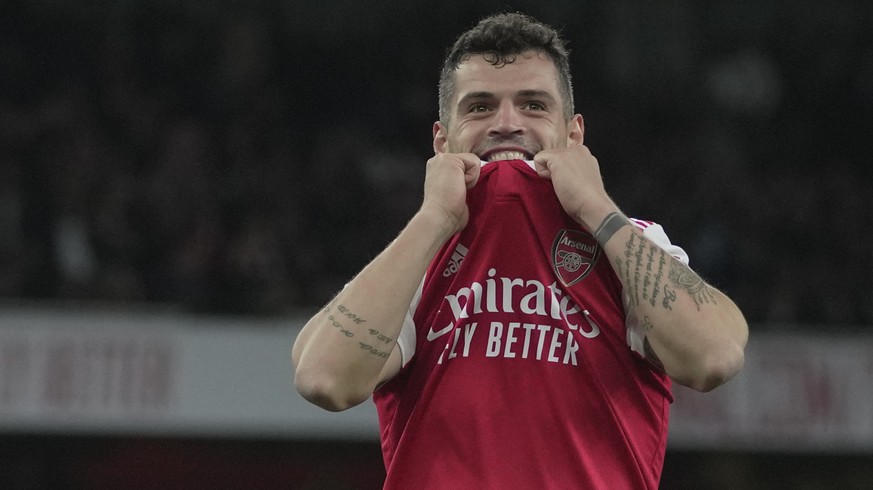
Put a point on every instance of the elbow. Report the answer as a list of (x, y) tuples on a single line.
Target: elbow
[(722, 359), (327, 392), (717, 368)]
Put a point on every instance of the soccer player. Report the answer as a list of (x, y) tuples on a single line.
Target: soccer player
[(520, 332)]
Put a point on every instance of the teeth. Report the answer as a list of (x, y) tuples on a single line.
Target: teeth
[(506, 155)]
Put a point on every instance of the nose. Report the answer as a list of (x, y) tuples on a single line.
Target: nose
[(507, 120)]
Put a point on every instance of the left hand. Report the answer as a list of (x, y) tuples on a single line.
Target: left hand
[(575, 175)]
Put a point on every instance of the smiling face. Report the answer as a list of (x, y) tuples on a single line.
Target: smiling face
[(506, 111)]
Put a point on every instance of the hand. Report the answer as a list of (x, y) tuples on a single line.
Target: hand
[(447, 179), (575, 175)]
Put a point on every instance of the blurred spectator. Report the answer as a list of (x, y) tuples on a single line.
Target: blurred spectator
[(12, 246), (229, 158)]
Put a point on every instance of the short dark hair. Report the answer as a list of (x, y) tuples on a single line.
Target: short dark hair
[(501, 38)]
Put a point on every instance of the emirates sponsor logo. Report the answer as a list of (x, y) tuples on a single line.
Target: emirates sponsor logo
[(515, 295), (549, 324), (574, 255)]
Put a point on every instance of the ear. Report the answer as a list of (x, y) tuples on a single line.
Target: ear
[(576, 131), (439, 138)]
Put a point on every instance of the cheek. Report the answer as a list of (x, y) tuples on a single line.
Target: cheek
[(553, 138), (461, 141)]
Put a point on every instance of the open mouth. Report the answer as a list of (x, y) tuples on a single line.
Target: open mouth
[(500, 155)]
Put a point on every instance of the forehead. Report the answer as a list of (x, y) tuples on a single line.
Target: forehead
[(530, 71)]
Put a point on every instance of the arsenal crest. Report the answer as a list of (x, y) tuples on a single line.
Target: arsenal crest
[(574, 255)]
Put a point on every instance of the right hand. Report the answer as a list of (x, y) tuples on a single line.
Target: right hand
[(447, 179)]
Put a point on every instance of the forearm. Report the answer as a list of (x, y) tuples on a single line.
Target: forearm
[(341, 352), (696, 333)]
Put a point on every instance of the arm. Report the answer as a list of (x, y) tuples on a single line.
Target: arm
[(348, 348), (694, 332)]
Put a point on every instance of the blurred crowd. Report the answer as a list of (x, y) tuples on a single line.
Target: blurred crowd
[(249, 157)]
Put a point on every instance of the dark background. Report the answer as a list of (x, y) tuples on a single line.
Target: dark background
[(231, 157)]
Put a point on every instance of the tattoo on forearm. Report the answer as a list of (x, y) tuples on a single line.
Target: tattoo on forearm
[(638, 271), (643, 278), (629, 277), (643, 268), (611, 224), (647, 324), (335, 323), (685, 278), (649, 352), (669, 297), (373, 350), (656, 288), (336, 320), (651, 356), (343, 313), (351, 316), (380, 337)]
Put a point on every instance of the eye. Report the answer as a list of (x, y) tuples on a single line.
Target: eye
[(535, 106), (478, 107)]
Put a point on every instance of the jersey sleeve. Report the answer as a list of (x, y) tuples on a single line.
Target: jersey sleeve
[(636, 334), (407, 338)]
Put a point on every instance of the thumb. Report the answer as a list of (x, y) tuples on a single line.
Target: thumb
[(472, 168), (541, 165)]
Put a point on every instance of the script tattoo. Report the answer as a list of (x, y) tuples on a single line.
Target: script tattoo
[(647, 324), (669, 297), (632, 277), (380, 336), (377, 335), (648, 272), (335, 323), (342, 314), (338, 313), (650, 354), (643, 270), (659, 272), (351, 316), (683, 277), (373, 350)]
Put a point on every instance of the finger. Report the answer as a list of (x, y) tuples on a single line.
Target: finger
[(472, 168), (541, 165), (470, 159)]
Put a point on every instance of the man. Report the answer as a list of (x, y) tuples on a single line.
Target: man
[(520, 332)]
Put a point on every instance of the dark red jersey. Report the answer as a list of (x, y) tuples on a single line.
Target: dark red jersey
[(519, 369)]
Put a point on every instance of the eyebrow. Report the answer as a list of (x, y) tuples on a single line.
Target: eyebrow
[(529, 93), (537, 94)]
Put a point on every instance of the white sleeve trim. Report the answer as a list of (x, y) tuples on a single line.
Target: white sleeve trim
[(407, 338), (636, 334), (655, 233)]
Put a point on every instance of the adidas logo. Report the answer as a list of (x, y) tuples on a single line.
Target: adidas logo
[(455, 262)]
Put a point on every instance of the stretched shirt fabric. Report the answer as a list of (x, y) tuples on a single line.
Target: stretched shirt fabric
[(519, 368)]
